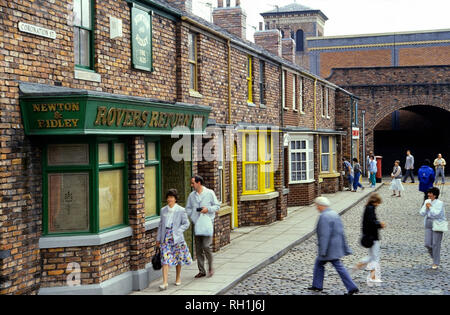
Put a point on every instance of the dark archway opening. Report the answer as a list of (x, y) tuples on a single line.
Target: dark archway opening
[(425, 130)]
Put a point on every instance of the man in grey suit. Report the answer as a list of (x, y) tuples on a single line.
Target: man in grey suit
[(409, 167), (332, 247)]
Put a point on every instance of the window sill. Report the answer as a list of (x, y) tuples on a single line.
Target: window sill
[(224, 211), (87, 75), (329, 175), (195, 94), (250, 104), (268, 196), (286, 108), (328, 117), (152, 224), (84, 240), (302, 112), (262, 106), (295, 110), (309, 181)]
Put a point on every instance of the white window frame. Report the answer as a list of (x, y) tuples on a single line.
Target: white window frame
[(300, 92), (309, 163)]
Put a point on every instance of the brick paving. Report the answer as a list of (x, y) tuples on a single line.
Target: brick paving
[(405, 263)]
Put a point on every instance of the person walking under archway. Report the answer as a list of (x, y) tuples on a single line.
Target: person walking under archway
[(409, 167), (396, 184)]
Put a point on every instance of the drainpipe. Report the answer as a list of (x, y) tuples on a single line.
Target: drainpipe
[(315, 104), (364, 139)]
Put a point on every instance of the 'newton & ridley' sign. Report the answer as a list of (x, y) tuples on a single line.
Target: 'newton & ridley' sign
[(36, 30)]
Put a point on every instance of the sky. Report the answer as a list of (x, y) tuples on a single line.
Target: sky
[(349, 17)]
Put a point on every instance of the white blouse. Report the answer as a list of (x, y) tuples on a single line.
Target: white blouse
[(170, 213)]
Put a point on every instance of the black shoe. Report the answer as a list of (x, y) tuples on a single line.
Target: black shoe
[(351, 292), (315, 289)]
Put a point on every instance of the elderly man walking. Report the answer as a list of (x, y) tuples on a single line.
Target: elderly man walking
[(332, 247)]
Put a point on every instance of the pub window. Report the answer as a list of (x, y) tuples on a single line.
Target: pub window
[(83, 33), (258, 163), (250, 79), (152, 181), (85, 187), (193, 68)]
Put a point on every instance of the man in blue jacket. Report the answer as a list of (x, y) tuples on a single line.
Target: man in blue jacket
[(332, 247), (426, 177)]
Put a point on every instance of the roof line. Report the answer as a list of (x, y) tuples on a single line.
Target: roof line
[(377, 34)]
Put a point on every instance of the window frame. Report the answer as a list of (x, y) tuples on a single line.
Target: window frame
[(261, 163), (332, 154), (326, 98), (283, 89), (158, 164), (309, 163), (300, 92), (193, 62), (294, 92), (250, 79), (93, 168), (262, 81), (91, 31)]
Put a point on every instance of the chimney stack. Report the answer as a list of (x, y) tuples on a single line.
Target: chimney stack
[(183, 5), (270, 40), (232, 19)]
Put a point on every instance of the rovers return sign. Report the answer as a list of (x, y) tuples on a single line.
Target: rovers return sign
[(96, 115)]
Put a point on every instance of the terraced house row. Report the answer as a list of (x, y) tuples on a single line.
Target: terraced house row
[(91, 93)]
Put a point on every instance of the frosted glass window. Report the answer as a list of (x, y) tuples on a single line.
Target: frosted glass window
[(68, 202), (119, 153), (150, 186), (68, 154), (111, 198), (103, 153)]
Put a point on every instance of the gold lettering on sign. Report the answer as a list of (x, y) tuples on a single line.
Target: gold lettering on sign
[(61, 107), (61, 123)]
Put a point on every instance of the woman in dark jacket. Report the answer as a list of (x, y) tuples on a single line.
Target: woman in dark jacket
[(370, 227)]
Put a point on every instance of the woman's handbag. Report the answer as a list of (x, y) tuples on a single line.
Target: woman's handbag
[(156, 260), (367, 241), (204, 226), (440, 226)]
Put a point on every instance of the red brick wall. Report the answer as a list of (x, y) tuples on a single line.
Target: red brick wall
[(358, 58), (301, 194), (424, 56)]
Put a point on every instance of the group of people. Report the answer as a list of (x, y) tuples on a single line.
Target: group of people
[(174, 222), (353, 172), (332, 244)]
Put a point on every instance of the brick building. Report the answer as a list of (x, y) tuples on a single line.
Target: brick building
[(91, 94)]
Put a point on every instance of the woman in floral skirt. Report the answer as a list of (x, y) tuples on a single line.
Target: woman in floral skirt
[(174, 251)]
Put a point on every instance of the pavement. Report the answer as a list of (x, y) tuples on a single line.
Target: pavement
[(253, 248)]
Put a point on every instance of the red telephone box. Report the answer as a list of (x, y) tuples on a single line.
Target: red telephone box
[(379, 174)]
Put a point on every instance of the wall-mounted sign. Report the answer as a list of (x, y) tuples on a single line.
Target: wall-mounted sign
[(93, 115), (355, 133), (36, 30), (141, 32)]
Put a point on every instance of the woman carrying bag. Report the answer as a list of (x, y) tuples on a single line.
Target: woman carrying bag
[(174, 251), (435, 224), (371, 240)]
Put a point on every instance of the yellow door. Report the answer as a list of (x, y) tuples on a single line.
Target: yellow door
[(235, 189)]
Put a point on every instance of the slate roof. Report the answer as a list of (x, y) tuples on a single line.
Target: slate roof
[(294, 8)]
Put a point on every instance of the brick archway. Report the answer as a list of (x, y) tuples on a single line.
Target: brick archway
[(384, 90)]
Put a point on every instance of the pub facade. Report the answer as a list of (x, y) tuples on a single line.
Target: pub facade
[(97, 97)]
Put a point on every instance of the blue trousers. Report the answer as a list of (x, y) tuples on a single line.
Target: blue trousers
[(319, 273), (350, 181), (356, 182)]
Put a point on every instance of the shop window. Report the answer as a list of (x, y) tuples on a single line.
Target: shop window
[(301, 163), (328, 157), (152, 181), (83, 33), (258, 163), (85, 187)]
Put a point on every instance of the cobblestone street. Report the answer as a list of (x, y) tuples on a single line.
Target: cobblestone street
[(405, 263)]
